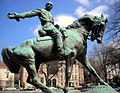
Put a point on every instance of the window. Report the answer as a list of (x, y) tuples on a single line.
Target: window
[(61, 70), (7, 82), (42, 80), (72, 84), (76, 84), (54, 82), (7, 75), (72, 77), (75, 70), (75, 77), (61, 77)]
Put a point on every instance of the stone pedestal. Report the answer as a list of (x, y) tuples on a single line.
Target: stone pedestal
[(101, 89), (97, 89)]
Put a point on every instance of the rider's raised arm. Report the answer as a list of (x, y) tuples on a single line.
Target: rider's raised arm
[(28, 14), (23, 15)]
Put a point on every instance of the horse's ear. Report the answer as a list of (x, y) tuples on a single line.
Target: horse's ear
[(106, 20), (102, 16)]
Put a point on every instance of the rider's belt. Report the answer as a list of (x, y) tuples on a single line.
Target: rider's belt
[(49, 22)]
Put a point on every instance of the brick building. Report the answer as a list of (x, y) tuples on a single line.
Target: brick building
[(6, 77), (58, 80)]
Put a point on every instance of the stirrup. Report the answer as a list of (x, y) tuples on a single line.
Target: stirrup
[(67, 53)]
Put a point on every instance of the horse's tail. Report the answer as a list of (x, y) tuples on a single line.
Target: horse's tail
[(7, 59)]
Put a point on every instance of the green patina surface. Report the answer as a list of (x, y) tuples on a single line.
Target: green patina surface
[(33, 52), (97, 89), (101, 89)]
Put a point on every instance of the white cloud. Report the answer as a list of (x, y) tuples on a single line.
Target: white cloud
[(35, 31), (99, 10), (108, 1), (84, 2), (64, 20), (111, 1), (80, 11)]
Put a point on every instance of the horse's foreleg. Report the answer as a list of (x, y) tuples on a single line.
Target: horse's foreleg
[(68, 72), (89, 67)]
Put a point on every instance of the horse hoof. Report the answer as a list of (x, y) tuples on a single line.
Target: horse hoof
[(65, 90), (106, 84)]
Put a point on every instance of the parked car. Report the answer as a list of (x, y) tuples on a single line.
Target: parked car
[(1, 88), (29, 88), (117, 89), (52, 88), (79, 87), (9, 88), (21, 88), (16, 86)]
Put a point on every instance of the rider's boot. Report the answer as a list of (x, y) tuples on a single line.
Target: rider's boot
[(62, 52), (41, 33), (67, 52), (64, 33)]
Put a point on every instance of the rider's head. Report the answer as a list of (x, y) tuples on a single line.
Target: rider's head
[(49, 6)]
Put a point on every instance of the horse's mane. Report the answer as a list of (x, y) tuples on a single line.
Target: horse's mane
[(86, 19), (77, 23)]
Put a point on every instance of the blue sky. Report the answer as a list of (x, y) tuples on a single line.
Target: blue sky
[(13, 33)]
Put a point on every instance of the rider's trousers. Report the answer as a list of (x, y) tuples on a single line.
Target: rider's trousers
[(57, 36)]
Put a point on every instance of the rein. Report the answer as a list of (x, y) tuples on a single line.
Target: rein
[(86, 33)]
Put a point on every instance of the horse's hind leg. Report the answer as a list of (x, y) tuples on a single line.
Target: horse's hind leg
[(26, 57), (89, 67), (34, 80)]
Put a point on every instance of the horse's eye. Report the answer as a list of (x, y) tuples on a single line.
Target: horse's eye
[(102, 23)]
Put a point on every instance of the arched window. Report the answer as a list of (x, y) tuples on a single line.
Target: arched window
[(54, 82), (42, 80)]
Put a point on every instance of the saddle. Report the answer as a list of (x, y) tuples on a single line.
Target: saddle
[(42, 33), (68, 52)]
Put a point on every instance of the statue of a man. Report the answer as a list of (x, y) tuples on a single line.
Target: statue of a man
[(47, 23)]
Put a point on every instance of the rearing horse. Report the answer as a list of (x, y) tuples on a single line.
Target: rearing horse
[(33, 52)]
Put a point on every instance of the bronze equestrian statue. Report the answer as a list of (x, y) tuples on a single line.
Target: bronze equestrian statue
[(69, 42), (33, 52)]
